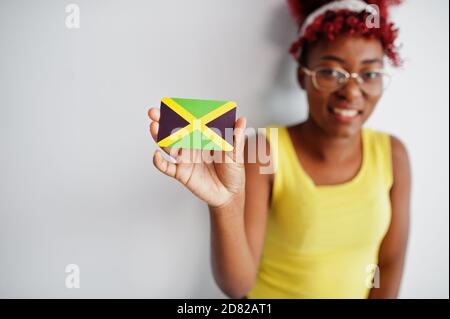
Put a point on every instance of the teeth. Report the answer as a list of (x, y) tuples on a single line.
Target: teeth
[(344, 112)]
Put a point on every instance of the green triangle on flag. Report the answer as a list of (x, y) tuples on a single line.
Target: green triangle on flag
[(198, 108), (196, 140)]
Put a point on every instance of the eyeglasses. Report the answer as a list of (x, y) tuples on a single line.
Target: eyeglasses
[(326, 79)]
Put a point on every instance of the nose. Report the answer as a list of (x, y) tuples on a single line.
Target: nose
[(351, 90)]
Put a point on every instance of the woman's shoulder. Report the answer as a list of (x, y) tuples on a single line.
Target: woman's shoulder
[(400, 157), (393, 151), (397, 146)]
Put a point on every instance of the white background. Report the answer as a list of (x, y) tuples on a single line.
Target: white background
[(76, 180)]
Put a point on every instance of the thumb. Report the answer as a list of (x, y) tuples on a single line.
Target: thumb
[(239, 140)]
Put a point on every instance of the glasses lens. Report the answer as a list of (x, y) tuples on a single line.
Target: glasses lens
[(328, 79), (374, 82)]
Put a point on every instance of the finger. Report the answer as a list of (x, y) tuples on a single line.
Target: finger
[(163, 165), (154, 127), (238, 131), (187, 156), (207, 156), (173, 152), (154, 114), (239, 140), (223, 157), (183, 156)]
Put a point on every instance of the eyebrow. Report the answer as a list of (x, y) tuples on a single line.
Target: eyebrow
[(342, 61), (371, 61), (333, 58)]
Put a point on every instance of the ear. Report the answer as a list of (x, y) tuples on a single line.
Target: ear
[(301, 77)]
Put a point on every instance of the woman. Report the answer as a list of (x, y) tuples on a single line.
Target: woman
[(332, 220)]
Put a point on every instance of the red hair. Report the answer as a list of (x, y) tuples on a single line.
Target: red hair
[(334, 23)]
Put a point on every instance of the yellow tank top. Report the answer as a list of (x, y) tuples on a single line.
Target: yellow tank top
[(323, 241)]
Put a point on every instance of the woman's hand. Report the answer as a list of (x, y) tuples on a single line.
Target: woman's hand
[(215, 177)]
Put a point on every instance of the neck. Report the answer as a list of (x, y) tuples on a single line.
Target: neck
[(327, 147)]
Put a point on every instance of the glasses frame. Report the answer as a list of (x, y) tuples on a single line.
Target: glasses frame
[(348, 77)]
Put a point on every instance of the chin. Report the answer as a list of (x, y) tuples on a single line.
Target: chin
[(344, 131), (334, 128)]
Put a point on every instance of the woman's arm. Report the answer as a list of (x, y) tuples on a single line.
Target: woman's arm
[(393, 248), (238, 230), (237, 196)]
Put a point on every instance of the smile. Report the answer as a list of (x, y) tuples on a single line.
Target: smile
[(344, 114)]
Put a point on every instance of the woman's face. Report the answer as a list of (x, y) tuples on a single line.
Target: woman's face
[(334, 112)]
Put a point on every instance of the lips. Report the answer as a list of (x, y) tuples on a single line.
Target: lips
[(344, 114)]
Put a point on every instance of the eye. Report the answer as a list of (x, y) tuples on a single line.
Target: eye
[(371, 75), (330, 73)]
